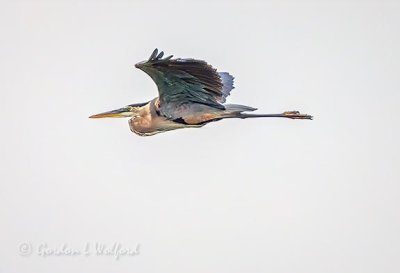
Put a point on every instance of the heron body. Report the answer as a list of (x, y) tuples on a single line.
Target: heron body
[(191, 94), (149, 121)]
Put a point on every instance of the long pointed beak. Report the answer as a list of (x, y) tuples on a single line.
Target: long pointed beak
[(118, 113)]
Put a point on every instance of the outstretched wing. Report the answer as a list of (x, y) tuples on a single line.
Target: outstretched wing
[(182, 81)]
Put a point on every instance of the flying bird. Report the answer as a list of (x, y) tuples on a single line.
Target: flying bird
[(191, 93)]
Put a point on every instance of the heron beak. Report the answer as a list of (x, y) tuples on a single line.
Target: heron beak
[(119, 113)]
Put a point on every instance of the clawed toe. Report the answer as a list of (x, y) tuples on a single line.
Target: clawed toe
[(291, 113)]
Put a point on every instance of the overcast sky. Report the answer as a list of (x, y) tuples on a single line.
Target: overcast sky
[(262, 195)]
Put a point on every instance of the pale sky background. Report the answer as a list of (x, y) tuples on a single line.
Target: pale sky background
[(270, 195)]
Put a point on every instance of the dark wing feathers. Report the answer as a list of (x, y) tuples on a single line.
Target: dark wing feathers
[(153, 55), (181, 81)]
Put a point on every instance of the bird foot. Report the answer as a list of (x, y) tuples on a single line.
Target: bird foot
[(296, 115)]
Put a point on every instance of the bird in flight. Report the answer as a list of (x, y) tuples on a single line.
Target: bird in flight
[(191, 93)]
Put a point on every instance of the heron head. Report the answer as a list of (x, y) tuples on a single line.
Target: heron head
[(131, 110)]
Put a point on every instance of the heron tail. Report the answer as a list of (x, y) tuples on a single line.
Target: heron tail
[(237, 108)]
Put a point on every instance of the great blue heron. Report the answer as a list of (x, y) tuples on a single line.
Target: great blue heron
[(191, 94)]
